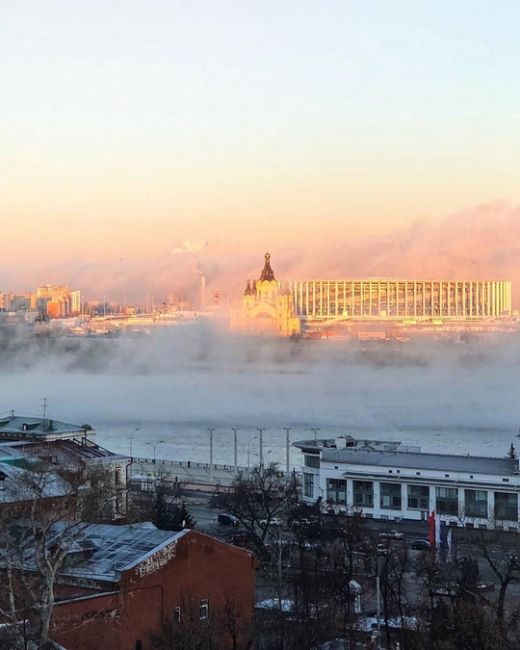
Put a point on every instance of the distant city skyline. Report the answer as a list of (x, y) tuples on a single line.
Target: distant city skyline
[(132, 133)]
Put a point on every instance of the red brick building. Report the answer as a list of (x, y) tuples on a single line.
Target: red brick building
[(122, 584)]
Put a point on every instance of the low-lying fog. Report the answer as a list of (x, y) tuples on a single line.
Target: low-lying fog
[(175, 382)]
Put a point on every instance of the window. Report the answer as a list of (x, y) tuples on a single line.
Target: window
[(177, 615), (312, 461), (506, 506), (308, 485), (204, 609), (337, 490), (364, 494), (475, 503), (418, 497), (447, 500), (390, 496)]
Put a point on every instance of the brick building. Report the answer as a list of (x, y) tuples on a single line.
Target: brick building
[(123, 584)]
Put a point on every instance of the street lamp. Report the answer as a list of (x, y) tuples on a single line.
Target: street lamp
[(261, 445), (132, 440), (235, 447), (287, 445), (211, 430), (154, 446)]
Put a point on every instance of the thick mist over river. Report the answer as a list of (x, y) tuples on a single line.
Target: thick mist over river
[(175, 382)]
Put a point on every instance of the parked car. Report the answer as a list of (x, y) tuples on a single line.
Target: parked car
[(273, 521), (225, 519), (420, 545), (391, 534)]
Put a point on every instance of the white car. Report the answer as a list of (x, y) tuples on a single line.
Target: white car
[(274, 521), (391, 534)]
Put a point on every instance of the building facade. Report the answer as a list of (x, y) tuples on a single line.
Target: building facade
[(394, 484), (400, 299), (137, 582), (266, 307)]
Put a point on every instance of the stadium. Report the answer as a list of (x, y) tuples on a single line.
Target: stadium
[(400, 299)]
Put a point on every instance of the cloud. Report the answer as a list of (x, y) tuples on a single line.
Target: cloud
[(481, 242), (189, 247)]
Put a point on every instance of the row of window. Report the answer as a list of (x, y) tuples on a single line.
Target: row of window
[(418, 498)]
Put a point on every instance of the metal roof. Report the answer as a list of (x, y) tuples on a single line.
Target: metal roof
[(440, 462), (22, 485), (20, 427), (109, 549)]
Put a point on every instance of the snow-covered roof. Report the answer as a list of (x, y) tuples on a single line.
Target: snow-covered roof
[(21, 427), (18, 484), (109, 550), (441, 462)]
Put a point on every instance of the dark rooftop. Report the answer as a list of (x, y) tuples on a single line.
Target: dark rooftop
[(441, 462)]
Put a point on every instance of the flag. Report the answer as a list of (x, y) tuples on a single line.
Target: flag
[(431, 529), (437, 530)]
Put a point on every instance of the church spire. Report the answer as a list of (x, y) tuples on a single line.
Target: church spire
[(267, 272), (248, 290)]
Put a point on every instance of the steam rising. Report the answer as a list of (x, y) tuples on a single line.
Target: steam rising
[(177, 381), (482, 242)]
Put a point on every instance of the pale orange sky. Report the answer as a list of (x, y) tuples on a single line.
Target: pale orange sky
[(251, 124)]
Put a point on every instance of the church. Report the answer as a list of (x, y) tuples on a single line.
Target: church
[(267, 307)]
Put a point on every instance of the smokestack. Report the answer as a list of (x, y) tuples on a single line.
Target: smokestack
[(202, 291)]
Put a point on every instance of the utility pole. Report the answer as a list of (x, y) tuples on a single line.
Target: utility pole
[(235, 447), (44, 407), (287, 446), (211, 430), (261, 445)]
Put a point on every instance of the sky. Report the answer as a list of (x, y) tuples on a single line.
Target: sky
[(134, 133)]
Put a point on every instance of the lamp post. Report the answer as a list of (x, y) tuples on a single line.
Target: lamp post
[(132, 440), (261, 446), (287, 446), (235, 447), (154, 446), (211, 430), (315, 431)]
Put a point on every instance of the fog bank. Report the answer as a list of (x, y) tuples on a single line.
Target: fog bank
[(177, 381)]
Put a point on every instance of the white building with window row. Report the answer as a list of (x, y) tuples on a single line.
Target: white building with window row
[(388, 481)]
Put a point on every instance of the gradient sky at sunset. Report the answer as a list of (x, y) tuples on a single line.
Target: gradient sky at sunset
[(130, 125)]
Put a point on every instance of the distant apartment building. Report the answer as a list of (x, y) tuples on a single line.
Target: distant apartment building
[(58, 301), (387, 481), (18, 301)]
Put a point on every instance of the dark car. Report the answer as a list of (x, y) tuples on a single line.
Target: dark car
[(225, 519), (420, 545)]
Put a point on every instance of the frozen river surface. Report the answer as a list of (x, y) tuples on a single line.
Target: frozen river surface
[(175, 383)]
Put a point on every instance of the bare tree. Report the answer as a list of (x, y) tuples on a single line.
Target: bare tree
[(257, 499), (35, 540)]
